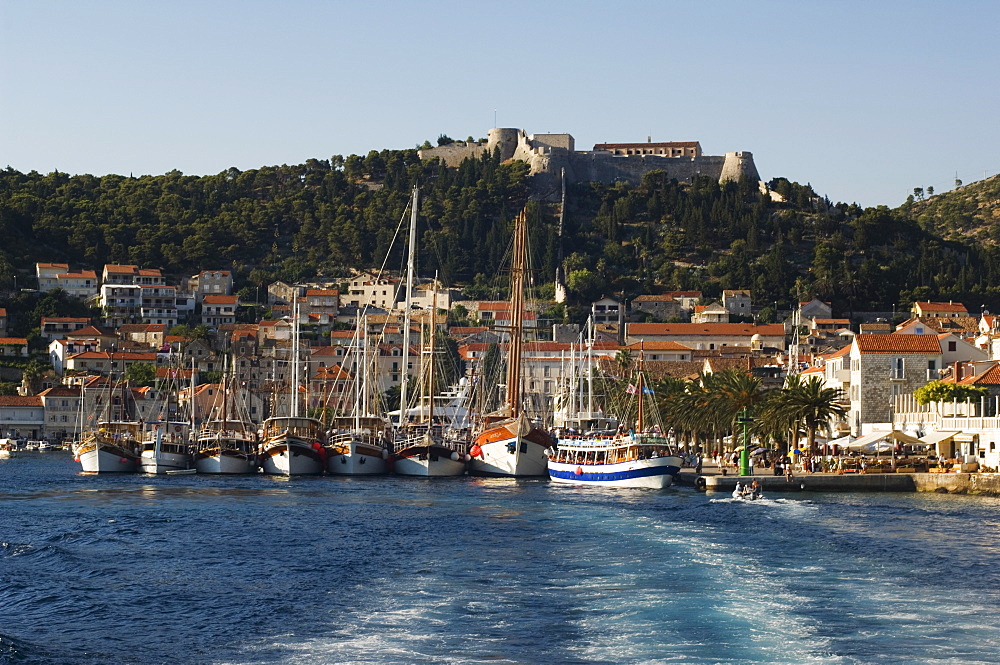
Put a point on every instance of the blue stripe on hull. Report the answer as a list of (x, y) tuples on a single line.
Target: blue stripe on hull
[(586, 476)]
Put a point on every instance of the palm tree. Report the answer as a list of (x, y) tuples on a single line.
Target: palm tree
[(714, 401), (809, 404), (623, 361), (778, 414)]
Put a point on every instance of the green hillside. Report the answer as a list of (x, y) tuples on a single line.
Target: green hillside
[(325, 217)]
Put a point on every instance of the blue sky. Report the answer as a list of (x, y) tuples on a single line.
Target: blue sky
[(865, 100)]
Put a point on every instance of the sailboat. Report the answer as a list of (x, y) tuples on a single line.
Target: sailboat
[(227, 441), (112, 446), (643, 458), (510, 444), (165, 447), (359, 444), (292, 445), (574, 410), (165, 444), (421, 448)]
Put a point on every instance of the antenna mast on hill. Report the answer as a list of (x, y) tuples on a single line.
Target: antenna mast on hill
[(560, 286), (793, 349)]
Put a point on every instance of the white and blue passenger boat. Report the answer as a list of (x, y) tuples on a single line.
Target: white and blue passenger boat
[(625, 460)]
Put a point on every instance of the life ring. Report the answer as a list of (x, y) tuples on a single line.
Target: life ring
[(579, 471)]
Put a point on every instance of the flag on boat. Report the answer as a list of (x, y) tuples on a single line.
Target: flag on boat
[(631, 390), (646, 390)]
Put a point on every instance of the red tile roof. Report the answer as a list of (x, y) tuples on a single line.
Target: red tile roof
[(898, 343), (82, 274), (17, 400), (332, 373), (662, 144), (658, 346), (221, 300), (988, 377), (121, 355), (721, 329), (941, 306)]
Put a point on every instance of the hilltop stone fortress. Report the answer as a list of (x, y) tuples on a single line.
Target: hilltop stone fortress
[(548, 154)]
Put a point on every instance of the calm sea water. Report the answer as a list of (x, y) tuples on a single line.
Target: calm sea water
[(195, 569)]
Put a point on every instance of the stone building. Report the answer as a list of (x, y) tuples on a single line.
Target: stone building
[(884, 366)]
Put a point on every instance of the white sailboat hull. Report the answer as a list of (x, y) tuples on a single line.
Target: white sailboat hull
[(429, 466), (295, 458), (226, 463), (357, 459), (515, 456), (107, 460), (150, 462), (511, 448)]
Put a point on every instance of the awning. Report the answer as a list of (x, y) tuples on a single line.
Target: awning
[(864, 441), (937, 437), (842, 441)]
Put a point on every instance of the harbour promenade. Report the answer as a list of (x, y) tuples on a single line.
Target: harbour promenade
[(711, 479)]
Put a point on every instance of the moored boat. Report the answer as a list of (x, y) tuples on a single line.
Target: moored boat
[(626, 460), (426, 455), (514, 447), (227, 442), (510, 444), (111, 448), (165, 447), (421, 448), (292, 446), (358, 446), (226, 447)]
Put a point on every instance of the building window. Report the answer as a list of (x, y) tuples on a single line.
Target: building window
[(897, 368), (952, 346)]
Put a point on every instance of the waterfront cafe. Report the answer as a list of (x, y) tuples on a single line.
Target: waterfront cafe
[(880, 452)]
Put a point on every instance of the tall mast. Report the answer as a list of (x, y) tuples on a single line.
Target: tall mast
[(639, 390), (516, 314), (430, 374), (409, 302), (590, 368), (295, 357), (358, 368), (225, 394)]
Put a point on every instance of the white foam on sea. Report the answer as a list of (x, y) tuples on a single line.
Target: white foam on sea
[(750, 616)]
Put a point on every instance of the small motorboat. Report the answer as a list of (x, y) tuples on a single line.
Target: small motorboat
[(747, 492)]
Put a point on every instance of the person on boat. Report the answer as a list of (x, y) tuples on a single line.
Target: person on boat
[(755, 491), (738, 490)]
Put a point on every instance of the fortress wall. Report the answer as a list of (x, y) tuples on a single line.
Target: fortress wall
[(547, 154), (601, 167), (563, 141), (453, 154)]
